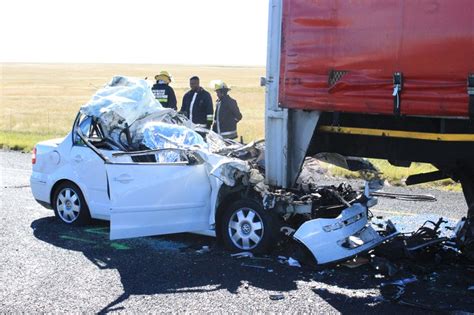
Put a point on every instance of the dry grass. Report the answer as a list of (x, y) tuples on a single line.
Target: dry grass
[(41, 100), (397, 176)]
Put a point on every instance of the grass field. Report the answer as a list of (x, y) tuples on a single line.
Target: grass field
[(40, 101)]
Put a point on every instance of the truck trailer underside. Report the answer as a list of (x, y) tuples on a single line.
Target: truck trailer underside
[(448, 144), (376, 80)]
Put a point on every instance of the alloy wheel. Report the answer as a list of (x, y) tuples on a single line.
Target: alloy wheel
[(245, 228), (68, 205)]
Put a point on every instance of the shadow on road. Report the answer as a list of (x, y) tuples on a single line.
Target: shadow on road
[(158, 265)]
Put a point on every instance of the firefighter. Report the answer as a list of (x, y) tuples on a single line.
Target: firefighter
[(197, 104), (163, 92), (227, 113)]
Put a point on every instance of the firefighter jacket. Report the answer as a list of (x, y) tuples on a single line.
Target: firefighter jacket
[(165, 95), (197, 106), (226, 117)]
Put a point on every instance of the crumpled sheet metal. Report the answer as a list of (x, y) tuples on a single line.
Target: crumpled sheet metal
[(215, 141), (123, 98), (227, 169), (331, 240), (159, 135), (126, 100)]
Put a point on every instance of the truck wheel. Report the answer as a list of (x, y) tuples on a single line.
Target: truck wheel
[(69, 204), (246, 226)]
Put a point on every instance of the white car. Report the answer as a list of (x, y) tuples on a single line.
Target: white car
[(80, 182), (144, 168)]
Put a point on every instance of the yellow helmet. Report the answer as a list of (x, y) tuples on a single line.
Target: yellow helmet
[(163, 76), (219, 85)]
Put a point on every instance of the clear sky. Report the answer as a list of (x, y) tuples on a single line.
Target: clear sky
[(214, 32)]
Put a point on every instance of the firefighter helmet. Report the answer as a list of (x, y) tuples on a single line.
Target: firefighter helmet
[(219, 85), (163, 76)]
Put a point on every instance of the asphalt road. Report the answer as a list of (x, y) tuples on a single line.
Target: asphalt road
[(46, 266)]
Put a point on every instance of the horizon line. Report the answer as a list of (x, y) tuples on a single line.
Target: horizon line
[(135, 63)]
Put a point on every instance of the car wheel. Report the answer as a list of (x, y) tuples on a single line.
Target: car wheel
[(246, 226), (69, 204)]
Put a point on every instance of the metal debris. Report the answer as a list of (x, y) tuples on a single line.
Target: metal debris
[(356, 262), (204, 249), (405, 197), (293, 262), (276, 297), (465, 237), (393, 291), (384, 266), (242, 255), (253, 266)]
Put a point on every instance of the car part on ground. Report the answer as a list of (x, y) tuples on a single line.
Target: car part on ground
[(405, 197), (394, 290), (345, 236)]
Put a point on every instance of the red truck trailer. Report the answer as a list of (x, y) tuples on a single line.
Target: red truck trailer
[(390, 79)]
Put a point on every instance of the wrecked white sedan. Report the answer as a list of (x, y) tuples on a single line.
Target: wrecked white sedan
[(150, 171)]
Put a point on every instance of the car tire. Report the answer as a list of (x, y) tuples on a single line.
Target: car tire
[(246, 226), (69, 205)]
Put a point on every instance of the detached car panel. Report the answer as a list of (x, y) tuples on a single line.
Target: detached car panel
[(340, 238)]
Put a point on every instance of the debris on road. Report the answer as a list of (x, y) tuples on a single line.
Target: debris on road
[(204, 249), (253, 266), (404, 197), (276, 297), (293, 262), (290, 261), (242, 255), (356, 262), (465, 236), (384, 266), (394, 290)]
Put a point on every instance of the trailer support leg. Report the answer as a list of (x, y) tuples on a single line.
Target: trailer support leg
[(468, 190), (466, 177)]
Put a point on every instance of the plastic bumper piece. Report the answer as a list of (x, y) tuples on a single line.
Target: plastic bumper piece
[(338, 239)]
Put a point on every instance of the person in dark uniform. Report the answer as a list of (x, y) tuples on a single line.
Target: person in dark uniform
[(163, 92), (197, 104), (227, 113)]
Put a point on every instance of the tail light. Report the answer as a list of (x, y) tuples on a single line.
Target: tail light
[(33, 156)]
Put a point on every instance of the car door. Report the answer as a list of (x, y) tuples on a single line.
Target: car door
[(158, 198)]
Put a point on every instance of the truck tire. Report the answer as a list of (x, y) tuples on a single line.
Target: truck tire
[(69, 205), (246, 226)]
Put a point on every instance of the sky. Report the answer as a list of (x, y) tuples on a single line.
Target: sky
[(204, 32)]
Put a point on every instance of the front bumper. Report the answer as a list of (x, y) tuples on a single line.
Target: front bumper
[(350, 234)]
